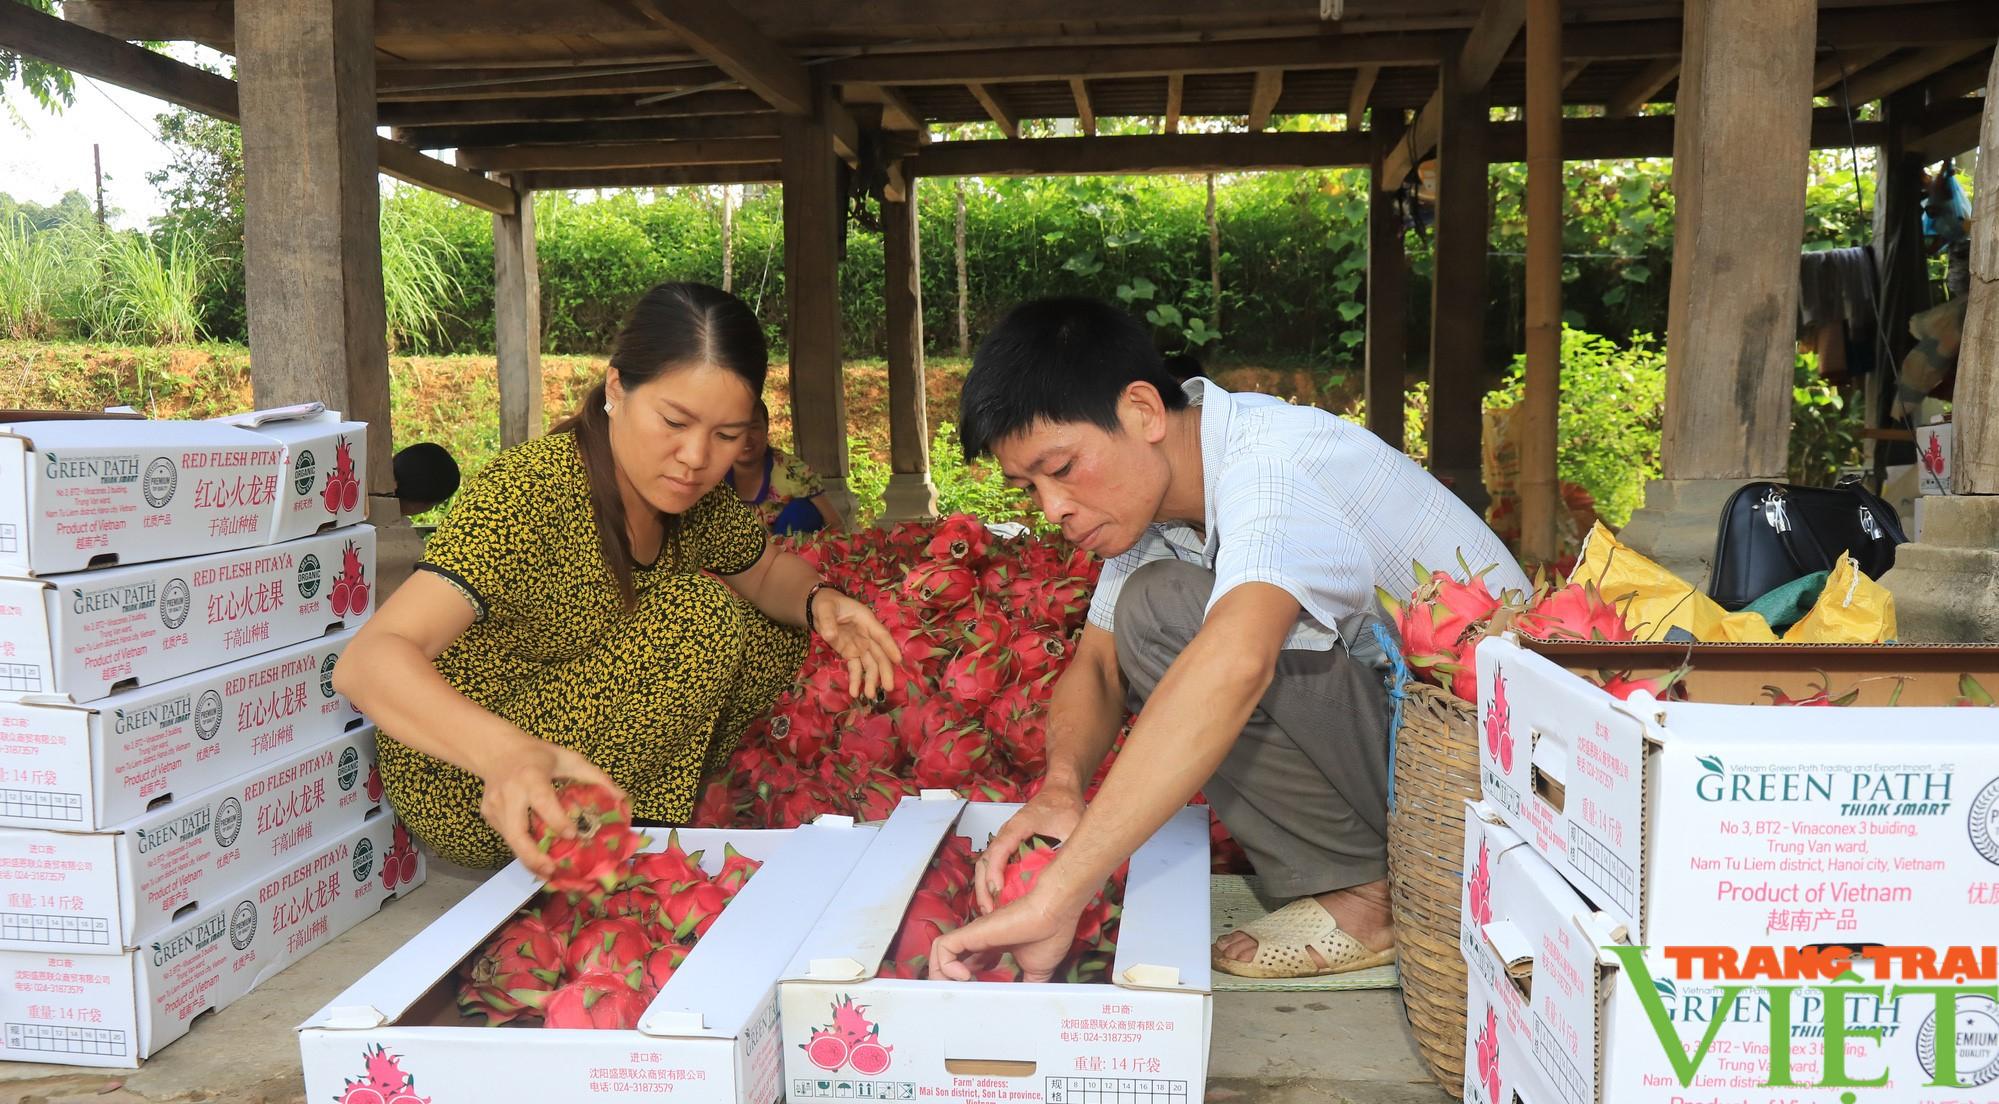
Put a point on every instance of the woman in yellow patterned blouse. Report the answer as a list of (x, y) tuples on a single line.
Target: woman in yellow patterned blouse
[(598, 605), (785, 494)]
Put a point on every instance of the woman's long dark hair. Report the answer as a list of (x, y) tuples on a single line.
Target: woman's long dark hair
[(673, 326)]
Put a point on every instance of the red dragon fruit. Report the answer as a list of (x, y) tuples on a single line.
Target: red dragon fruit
[(798, 729), (514, 974), (591, 861), (663, 869), (866, 740), (736, 870), (981, 623), (930, 915), (975, 677), (661, 963), (1971, 693), (692, 909), (1024, 868), (940, 586), (961, 538), (1575, 612), (609, 946), (600, 1001), (952, 756), (1039, 654), (1622, 684)]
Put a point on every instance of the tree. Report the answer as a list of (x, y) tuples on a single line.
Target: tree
[(52, 86), (203, 188)]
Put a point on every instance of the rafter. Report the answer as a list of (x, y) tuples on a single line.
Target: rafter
[(1363, 90), (1490, 40), (620, 155), (1844, 65), (651, 178), (1176, 87), (1639, 90), (1086, 114), (568, 109), (460, 136), (997, 108), (1895, 74), (1263, 96)]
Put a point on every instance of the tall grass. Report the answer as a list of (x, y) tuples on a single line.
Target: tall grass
[(43, 279), (152, 293), (417, 258), (81, 281)]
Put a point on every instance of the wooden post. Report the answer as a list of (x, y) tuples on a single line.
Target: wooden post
[(1387, 346), (813, 211), (1740, 155), (1458, 289), (909, 494), (1538, 422), (1901, 262), (1975, 410), (517, 322), (312, 246)]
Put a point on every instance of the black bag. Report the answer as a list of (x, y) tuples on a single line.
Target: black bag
[(1776, 533)]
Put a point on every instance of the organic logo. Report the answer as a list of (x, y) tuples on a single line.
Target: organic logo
[(1984, 822), (851, 1041), (175, 602), (228, 822), (308, 576), (1499, 723), (350, 768), (364, 859), (303, 473), (243, 925), (208, 715), (326, 674), (161, 479)]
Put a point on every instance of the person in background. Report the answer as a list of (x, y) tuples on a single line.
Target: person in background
[(786, 496), (426, 476)]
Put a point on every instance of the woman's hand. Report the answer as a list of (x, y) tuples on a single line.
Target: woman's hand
[(851, 630), (521, 778)]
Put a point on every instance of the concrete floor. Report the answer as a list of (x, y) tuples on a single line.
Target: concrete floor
[(1280, 1048)]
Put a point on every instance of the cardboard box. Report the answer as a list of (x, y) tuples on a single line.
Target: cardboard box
[(1061, 1043), (1543, 958), (711, 1033), (102, 892), (94, 492), (84, 767), (92, 634), (112, 1010), (1700, 822), (1934, 458)]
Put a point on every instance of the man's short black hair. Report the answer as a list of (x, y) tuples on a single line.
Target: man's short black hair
[(425, 472), (1061, 359)]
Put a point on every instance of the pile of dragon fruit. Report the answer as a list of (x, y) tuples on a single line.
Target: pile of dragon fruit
[(984, 624), (612, 926), (945, 900)]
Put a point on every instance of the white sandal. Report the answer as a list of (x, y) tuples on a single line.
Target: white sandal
[(1282, 939)]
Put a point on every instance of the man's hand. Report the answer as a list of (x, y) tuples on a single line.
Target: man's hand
[(1038, 933), (1054, 812)]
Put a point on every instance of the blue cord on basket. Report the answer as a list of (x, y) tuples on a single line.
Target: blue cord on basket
[(1397, 678)]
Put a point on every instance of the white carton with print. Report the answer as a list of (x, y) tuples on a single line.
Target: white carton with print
[(112, 1010), (1704, 822), (102, 892), (1144, 1037), (83, 767), (711, 1034), (1934, 458), (91, 634), (88, 492), (1560, 1003)]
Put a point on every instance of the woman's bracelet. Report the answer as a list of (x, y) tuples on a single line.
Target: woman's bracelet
[(814, 593)]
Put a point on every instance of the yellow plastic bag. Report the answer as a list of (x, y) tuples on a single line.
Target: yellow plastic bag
[(1654, 600), (1853, 609)]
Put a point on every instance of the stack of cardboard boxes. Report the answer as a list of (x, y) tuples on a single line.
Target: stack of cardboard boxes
[(186, 804), (1663, 898)]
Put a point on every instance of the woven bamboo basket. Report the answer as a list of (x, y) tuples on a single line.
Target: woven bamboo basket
[(1436, 770)]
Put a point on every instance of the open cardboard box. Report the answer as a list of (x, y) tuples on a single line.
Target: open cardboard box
[(104, 891), (1567, 1008), (91, 634), (710, 1034), (974, 1041), (84, 767), (78, 493), (112, 1010), (1716, 822)]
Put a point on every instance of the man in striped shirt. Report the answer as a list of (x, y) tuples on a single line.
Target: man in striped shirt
[(1244, 539)]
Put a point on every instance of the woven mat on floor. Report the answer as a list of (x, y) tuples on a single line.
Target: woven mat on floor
[(1232, 902)]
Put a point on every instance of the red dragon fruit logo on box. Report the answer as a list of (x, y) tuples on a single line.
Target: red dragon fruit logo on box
[(1499, 723), (1488, 1055), (1481, 887), (383, 1083), (851, 1041)]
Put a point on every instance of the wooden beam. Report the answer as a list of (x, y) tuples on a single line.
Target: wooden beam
[(517, 323), (1054, 63), (621, 155), (1948, 139), (625, 130), (413, 166), (1587, 139), (1975, 409), (675, 177), (898, 113), (1571, 71), (1639, 90), (1363, 90), (996, 107), (1895, 74), (1086, 115), (902, 259), (1845, 65), (583, 109), (1387, 344), (1263, 97), (414, 86), (1176, 86), (1537, 421), (1959, 80), (1489, 42), (814, 214), (1458, 286), (1143, 153), (1739, 172)]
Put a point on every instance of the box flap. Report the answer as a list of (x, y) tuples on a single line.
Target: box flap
[(717, 990), (849, 941), (1167, 946), (297, 412)]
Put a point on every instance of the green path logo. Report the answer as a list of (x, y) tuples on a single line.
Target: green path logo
[(1856, 792), (1845, 1009)]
